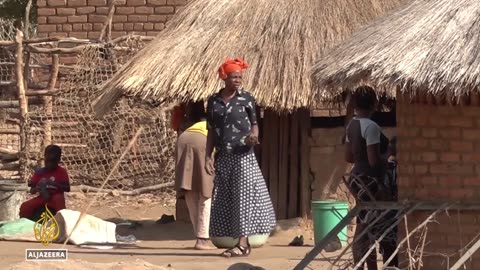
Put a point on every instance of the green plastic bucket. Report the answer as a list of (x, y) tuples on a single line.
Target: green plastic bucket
[(326, 215)]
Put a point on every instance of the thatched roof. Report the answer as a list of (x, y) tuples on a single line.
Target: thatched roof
[(280, 39), (428, 45)]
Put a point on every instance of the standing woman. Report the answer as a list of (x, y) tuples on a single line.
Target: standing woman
[(365, 146), (191, 179), (241, 204)]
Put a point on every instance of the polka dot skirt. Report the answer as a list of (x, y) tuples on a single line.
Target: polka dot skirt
[(241, 204)]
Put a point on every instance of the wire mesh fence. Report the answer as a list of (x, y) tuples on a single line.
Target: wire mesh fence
[(90, 146)]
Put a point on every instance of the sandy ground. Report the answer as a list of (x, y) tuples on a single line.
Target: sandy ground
[(161, 246)]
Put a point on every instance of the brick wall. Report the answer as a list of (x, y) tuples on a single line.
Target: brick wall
[(85, 18), (439, 160), (439, 156)]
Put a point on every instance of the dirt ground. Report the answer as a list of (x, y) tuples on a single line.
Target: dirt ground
[(161, 246)]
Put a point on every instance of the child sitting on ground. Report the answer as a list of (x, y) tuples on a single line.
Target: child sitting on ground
[(50, 182)]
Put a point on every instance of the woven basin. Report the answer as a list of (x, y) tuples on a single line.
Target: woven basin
[(256, 241)]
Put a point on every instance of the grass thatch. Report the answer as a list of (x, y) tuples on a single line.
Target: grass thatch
[(280, 39), (429, 45)]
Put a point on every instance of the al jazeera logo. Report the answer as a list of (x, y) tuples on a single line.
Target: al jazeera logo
[(46, 231)]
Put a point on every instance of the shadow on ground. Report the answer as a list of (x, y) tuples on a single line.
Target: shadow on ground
[(150, 230), (135, 253)]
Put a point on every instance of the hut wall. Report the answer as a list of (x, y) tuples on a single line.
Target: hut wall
[(85, 18), (439, 160), (284, 158)]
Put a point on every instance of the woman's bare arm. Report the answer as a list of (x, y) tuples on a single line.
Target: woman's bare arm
[(373, 154), (255, 130), (210, 143)]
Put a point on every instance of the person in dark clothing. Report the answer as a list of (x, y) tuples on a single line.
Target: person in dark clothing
[(389, 242), (365, 147)]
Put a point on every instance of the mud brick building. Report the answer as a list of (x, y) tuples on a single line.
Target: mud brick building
[(85, 18)]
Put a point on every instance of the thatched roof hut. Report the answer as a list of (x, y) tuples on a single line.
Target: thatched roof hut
[(280, 39), (427, 55), (431, 46)]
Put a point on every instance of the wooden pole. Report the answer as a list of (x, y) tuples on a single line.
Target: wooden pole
[(48, 104), (23, 106), (466, 256), (26, 33), (107, 27), (26, 25)]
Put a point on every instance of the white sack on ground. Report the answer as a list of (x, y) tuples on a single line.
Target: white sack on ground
[(90, 229)]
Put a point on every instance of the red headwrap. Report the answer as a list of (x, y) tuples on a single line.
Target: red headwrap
[(231, 65)]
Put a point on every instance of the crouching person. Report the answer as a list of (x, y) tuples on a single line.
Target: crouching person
[(50, 182)]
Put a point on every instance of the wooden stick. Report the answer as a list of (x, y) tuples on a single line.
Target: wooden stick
[(424, 206), (27, 70), (74, 50), (72, 145), (107, 27), (51, 92), (12, 131), (85, 188), (54, 117), (8, 83), (124, 38), (26, 26), (466, 256), (4, 150), (84, 212), (7, 104), (19, 73), (46, 40), (45, 66), (410, 264), (23, 162), (422, 248), (47, 102)]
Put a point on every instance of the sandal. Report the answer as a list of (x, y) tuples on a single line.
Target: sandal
[(237, 251)]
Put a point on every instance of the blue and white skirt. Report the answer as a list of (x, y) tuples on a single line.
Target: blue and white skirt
[(241, 204)]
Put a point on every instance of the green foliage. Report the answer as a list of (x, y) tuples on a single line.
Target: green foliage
[(15, 9)]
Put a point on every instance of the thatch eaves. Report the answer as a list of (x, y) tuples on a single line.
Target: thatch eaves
[(280, 39), (427, 46)]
